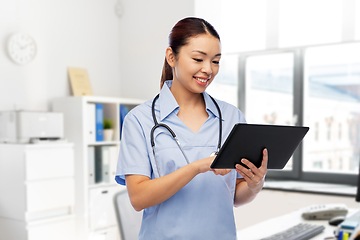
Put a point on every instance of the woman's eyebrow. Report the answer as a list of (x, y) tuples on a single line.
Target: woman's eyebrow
[(204, 53)]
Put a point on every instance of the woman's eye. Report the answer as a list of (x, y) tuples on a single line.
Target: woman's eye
[(197, 59), (216, 62)]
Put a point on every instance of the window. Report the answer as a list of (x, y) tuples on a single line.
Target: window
[(316, 131), (357, 19), (328, 130), (340, 163), (225, 85), (318, 164), (269, 90), (339, 131), (317, 87), (332, 93), (290, 80)]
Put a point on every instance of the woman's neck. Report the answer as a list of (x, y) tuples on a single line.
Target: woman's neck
[(184, 97), (192, 110)]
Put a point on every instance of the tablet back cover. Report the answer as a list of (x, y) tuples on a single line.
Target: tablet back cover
[(249, 140)]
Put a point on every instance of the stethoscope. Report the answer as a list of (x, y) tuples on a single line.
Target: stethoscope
[(174, 135)]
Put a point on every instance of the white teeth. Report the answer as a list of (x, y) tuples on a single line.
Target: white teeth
[(202, 80)]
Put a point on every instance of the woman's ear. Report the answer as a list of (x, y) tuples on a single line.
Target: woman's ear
[(170, 58)]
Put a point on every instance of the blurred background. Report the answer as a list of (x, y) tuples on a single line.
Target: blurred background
[(285, 62)]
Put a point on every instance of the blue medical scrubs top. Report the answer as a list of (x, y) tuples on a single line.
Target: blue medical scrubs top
[(203, 209)]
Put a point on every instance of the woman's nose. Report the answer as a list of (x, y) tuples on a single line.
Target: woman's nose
[(207, 68)]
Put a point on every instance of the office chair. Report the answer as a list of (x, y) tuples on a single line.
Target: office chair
[(129, 220)]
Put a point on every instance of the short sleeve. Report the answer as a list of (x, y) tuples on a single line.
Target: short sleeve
[(133, 155)]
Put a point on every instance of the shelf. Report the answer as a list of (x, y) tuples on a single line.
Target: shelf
[(101, 99), (104, 143), (76, 120)]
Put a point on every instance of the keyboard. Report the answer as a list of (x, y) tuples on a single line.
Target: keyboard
[(301, 231)]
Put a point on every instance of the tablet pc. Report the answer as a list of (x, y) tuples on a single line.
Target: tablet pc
[(249, 140)]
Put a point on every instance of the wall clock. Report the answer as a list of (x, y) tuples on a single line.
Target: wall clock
[(21, 48)]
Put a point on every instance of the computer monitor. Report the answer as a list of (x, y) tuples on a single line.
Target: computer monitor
[(357, 197)]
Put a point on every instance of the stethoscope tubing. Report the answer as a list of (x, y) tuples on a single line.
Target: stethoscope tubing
[(156, 125)]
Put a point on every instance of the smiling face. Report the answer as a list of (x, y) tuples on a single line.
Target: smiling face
[(196, 64)]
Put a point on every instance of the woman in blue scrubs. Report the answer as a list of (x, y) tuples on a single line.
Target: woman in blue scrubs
[(182, 197)]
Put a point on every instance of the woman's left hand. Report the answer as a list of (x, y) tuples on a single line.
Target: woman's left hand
[(254, 176)]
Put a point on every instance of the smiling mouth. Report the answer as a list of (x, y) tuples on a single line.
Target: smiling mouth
[(203, 80)]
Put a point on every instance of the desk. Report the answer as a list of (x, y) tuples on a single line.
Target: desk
[(278, 224), (311, 187)]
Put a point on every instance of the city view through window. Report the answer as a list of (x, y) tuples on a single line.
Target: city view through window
[(332, 108), (331, 100)]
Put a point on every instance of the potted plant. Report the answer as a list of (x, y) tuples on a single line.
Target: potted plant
[(108, 129)]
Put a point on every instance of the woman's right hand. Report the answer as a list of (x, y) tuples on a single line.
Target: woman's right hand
[(204, 164), (145, 192)]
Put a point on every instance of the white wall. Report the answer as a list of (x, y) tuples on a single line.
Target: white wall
[(117, 52), (144, 30), (82, 33)]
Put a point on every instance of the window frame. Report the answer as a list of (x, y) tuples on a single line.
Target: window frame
[(298, 107)]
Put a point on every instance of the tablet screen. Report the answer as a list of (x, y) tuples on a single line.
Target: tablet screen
[(249, 140)]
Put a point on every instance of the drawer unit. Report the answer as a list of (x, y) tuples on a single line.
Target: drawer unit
[(111, 233), (61, 228), (101, 207), (52, 162), (57, 229), (50, 194), (38, 191)]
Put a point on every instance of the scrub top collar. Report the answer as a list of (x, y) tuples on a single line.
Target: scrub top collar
[(168, 103)]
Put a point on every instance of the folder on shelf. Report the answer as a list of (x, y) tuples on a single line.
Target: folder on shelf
[(114, 152), (91, 127), (105, 163), (99, 122), (102, 164), (98, 164), (91, 164), (123, 111)]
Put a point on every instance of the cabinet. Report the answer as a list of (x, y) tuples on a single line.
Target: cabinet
[(94, 201), (37, 191)]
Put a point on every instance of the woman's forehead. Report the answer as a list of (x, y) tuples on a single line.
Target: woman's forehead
[(204, 43)]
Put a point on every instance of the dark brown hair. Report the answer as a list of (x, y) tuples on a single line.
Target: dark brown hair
[(179, 36)]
